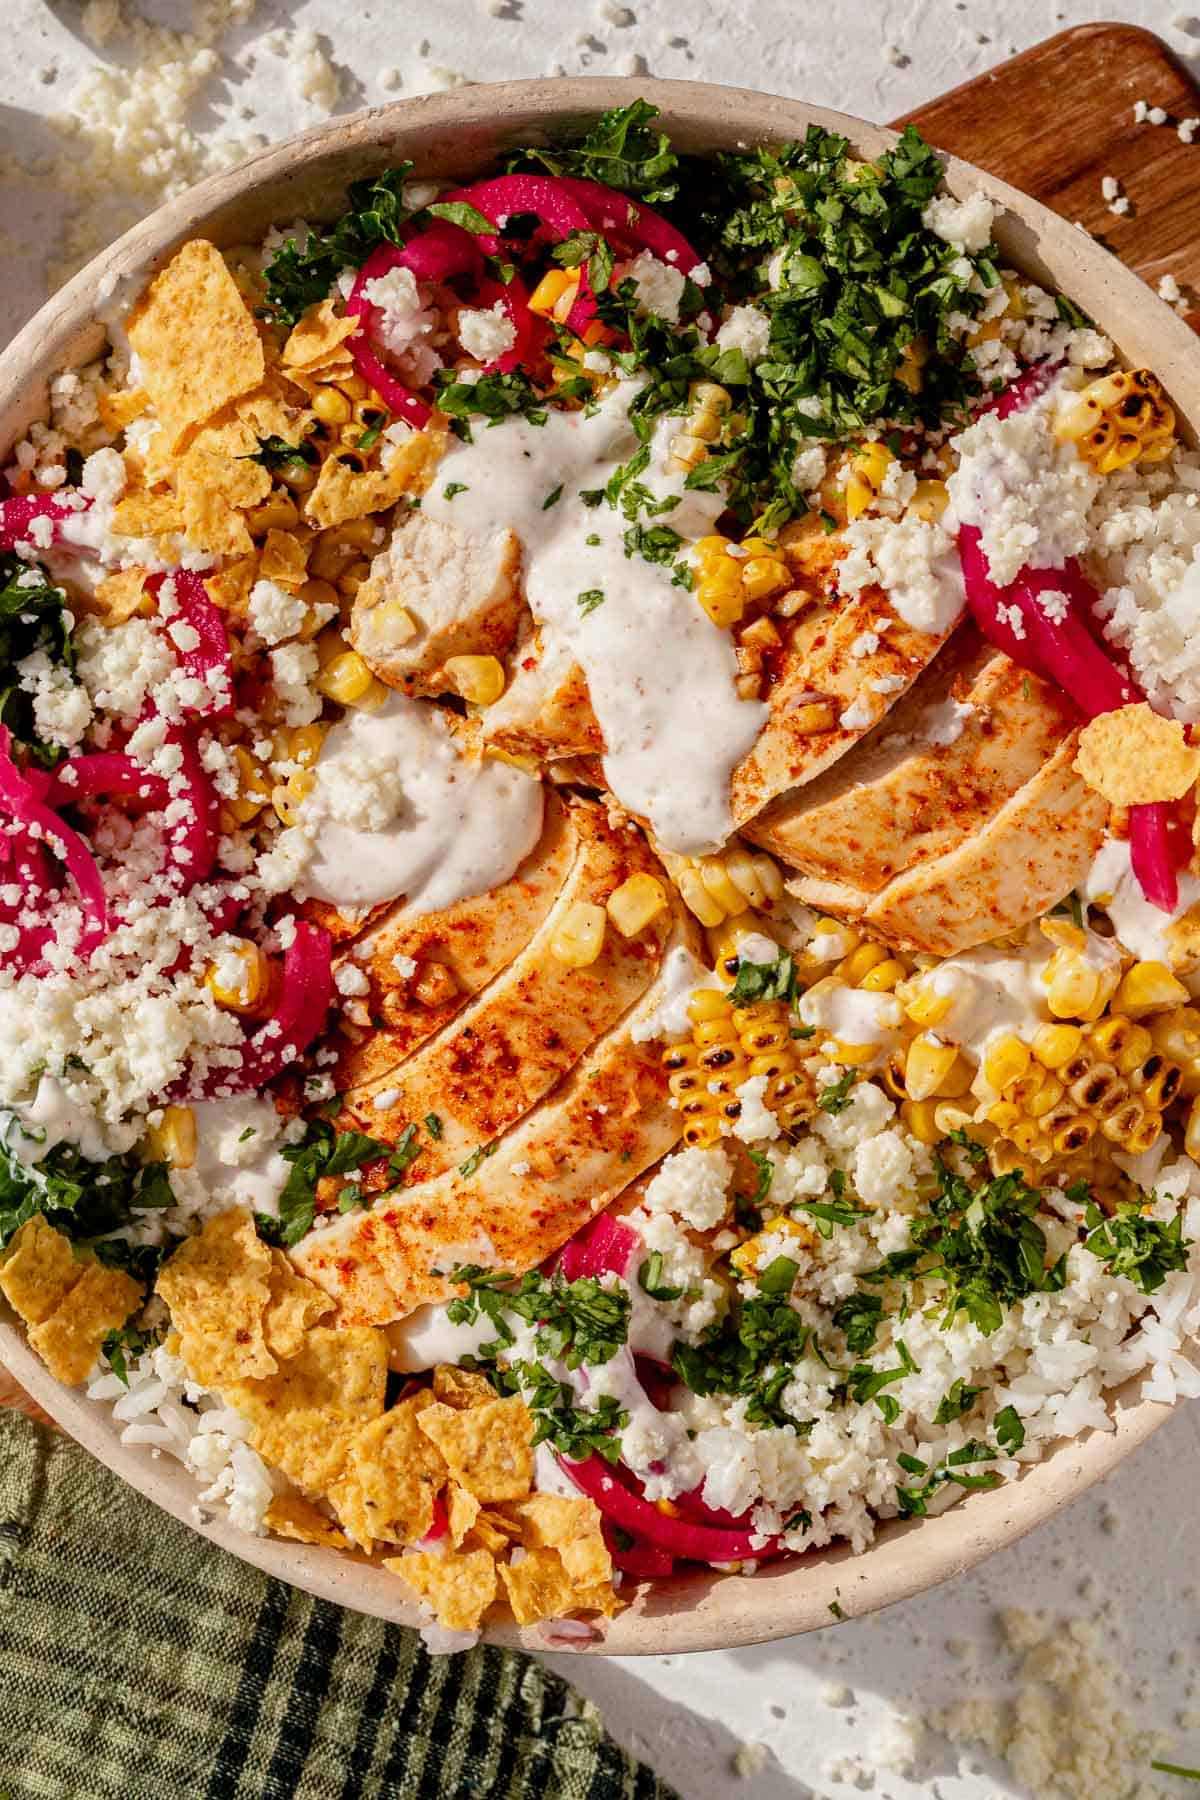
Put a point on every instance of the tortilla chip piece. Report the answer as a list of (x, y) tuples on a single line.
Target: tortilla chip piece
[(284, 559), (460, 1588), (196, 341), (294, 1305), (38, 1271), (291, 1517), (304, 1417), (393, 1474), (230, 587), (602, 1599), (142, 514), (461, 1387), (488, 1448), (462, 1510), (216, 1287), (119, 409), (118, 597), (213, 488), (69, 1341), (345, 492), (1134, 756), (486, 1535), (317, 335), (570, 1526), (538, 1586)]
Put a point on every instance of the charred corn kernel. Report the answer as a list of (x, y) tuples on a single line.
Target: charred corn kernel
[(696, 897), (949, 1116), (173, 1139), (746, 1258), (551, 289), (1128, 1122), (289, 796), (868, 467), (763, 1030), (1101, 1090), (1149, 987), (278, 513), (930, 500), (723, 604), (1157, 1082), (924, 1005), (812, 717), (702, 1130), (884, 977), (298, 477), (1054, 1045), (1072, 1134), (853, 1056), (892, 1076), (920, 1120), (1177, 1034), (346, 679), (861, 960), (579, 938), (1005, 1060), (240, 981), (332, 406), (1118, 419), (1118, 1040), (303, 743), (707, 1004), (393, 622), (479, 680), (1027, 1135), (1003, 1114), (637, 901), (928, 1061), (254, 790)]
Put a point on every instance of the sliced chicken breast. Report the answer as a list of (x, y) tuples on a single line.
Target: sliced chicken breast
[(504, 1052), (967, 735), (546, 710), (462, 593), (566, 1160), (1036, 848), (407, 959)]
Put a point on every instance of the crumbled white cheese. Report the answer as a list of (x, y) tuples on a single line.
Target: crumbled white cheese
[(692, 1184), (658, 287), (486, 333), (966, 224), (293, 668), (748, 329), (274, 613)]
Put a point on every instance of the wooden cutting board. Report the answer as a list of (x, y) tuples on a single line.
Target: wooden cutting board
[(1054, 121)]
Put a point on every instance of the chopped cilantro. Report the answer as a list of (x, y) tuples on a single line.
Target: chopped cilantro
[(590, 599), (1167, 1768), (33, 616), (276, 453), (433, 1126), (304, 270), (86, 1200), (462, 213), (477, 1156), (650, 1279), (836, 1610), (620, 150), (454, 487), (552, 499), (492, 397), (835, 1098), (1143, 1249), (322, 1152), (957, 1400), (858, 1318), (122, 1347), (579, 1322), (764, 981), (1010, 1432)]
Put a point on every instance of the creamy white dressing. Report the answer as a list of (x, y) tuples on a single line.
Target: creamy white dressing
[(449, 825), (31, 1131), (854, 1015), (680, 976), (237, 1152), (1110, 883), (427, 1337), (991, 991), (660, 674)]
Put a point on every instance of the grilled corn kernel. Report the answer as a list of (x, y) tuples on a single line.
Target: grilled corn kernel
[(346, 679), (240, 981), (853, 1056), (173, 1139), (924, 1005), (1054, 1045), (884, 977), (1074, 988), (930, 500), (861, 960), (277, 513), (715, 877), (1149, 987), (637, 901), (254, 790), (928, 1061), (867, 470), (697, 898), (551, 289), (392, 622), (1005, 1060), (1118, 1040), (289, 796), (480, 680), (579, 938), (920, 1120), (707, 1004), (763, 575), (331, 406), (1191, 1136)]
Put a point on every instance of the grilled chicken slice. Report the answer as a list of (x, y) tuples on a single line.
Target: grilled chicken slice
[(566, 1160), (463, 594), (546, 710), (504, 1052), (462, 948), (967, 735), (1034, 849)]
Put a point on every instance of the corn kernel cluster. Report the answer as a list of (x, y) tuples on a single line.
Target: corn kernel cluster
[(716, 888), (1118, 420), (729, 576), (730, 1045)]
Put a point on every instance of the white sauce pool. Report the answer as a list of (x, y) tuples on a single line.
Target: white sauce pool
[(992, 991), (1141, 927), (448, 825), (237, 1152), (660, 673)]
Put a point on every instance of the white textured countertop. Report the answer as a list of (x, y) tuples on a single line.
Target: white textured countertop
[(815, 1715)]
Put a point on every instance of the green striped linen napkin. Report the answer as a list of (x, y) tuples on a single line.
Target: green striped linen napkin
[(139, 1663)]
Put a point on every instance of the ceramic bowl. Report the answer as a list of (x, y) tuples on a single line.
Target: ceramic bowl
[(459, 134)]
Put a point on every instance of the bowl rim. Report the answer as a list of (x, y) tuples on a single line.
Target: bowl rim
[(450, 133)]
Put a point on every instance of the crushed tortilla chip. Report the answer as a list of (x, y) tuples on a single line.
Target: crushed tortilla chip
[(486, 1535), (291, 1517), (194, 306), (294, 1305), (118, 597), (145, 515), (461, 1387), (317, 335), (603, 1598), (538, 1586), (212, 489), (303, 1418), (119, 409), (1133, 756), (344, 492), (69, 1341), (38, 1271), (275, 409), (488, 1448), (284, 560), (229, 588), (460, 1587), (392, 1476), (216, 1287), (570, 1526), (462, 1510)]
